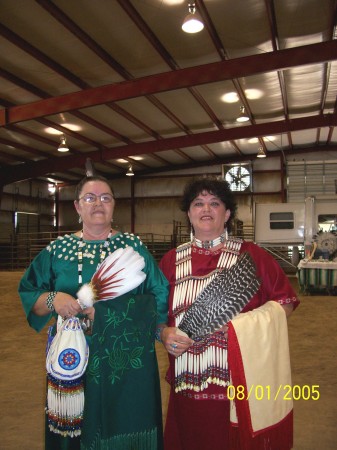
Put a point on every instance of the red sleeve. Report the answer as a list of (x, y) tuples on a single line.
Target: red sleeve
[(275, 284), (167, 265)]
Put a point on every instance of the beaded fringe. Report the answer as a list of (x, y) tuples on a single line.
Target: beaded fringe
[(196, 371), (146, 440), (65, 405), (206, 361)]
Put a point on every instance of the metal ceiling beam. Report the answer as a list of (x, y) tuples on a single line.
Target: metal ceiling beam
[(18, 41), (70, 25), (11, 174), (183, 78), (235, 159), (90, 43)]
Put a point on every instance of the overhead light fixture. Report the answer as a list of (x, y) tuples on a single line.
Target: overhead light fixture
[(193, 21), (51, 188), (243, 116), (261, 153), (130, 173), (63, 147)]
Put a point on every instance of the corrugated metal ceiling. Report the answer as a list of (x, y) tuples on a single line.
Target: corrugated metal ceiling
[(121, 80)]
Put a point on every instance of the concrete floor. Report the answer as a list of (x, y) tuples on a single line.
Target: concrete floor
[(312, 333)]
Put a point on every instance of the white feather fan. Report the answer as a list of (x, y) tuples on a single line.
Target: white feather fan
[(118, 274)]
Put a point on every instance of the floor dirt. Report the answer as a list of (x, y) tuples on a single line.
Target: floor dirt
[(312, 334)]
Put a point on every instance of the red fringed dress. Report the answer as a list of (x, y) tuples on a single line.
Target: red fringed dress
[(198, 410)]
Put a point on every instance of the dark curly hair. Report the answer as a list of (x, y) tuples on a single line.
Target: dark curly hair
[(86, 180), (219, 188)]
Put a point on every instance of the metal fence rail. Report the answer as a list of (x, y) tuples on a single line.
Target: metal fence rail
[(17, 251)]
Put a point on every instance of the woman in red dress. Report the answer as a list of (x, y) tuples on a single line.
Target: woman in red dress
[(198, 415)]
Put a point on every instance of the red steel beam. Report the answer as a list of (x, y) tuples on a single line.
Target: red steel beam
[(178, 79), (10, 174)]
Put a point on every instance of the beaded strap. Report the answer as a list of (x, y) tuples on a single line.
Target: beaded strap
[(50, 300)]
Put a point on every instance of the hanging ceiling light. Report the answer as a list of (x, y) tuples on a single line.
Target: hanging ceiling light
[(52, 188), (63, 147), (130, 173), (243, 116), (261, 153), (193, 21)]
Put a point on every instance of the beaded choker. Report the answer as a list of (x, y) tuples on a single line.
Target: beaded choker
[(209, 244), (102, 254)]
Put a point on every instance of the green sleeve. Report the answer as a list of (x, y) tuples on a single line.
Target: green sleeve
[(36, 280), (155, 283)]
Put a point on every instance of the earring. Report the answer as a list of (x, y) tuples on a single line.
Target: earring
[(112, 219), (226, 232), (79, 219), (192, 234)]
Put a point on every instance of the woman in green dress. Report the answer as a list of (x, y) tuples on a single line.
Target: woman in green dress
[(122, 407)]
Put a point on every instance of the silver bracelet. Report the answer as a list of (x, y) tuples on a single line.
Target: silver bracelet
[(158, 333), (50, 300)]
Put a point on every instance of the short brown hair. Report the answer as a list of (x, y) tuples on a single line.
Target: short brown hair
[(86, 180)]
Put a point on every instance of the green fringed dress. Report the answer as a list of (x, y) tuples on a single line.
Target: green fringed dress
[(123, 368), (122, 391)]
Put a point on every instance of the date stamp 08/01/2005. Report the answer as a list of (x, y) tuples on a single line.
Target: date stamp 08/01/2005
[(285, 392)]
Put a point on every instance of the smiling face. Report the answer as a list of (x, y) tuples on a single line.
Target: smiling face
[(208, 215), (97, 214)]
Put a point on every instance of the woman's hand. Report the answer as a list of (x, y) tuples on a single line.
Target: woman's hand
[(175, 343), (224, 329), (288, 309), (89, 312), (65, 305)]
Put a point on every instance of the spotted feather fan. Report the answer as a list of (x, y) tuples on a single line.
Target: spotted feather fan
[(222, 299)]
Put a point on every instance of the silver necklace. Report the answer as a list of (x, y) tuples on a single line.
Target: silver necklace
[(209, 244)]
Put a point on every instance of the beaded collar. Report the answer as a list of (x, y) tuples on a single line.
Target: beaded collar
[(102, 254), (209, 244)]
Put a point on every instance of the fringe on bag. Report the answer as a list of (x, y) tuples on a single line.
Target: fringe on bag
[(66, 362), (65, 404)]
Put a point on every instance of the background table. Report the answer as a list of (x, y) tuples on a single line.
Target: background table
[(317, 274)]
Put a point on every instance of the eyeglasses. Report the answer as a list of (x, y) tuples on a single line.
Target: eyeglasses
[(91, 198)]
